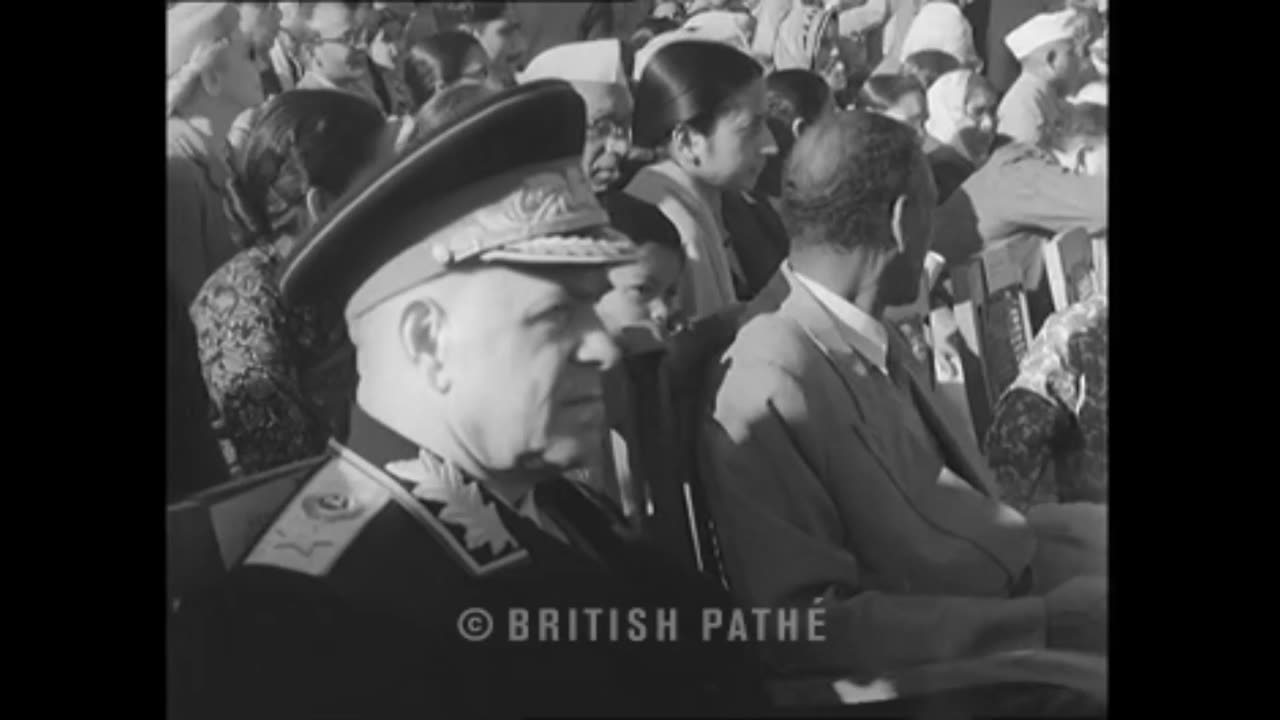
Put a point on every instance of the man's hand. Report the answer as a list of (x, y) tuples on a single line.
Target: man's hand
[(1077, 615)]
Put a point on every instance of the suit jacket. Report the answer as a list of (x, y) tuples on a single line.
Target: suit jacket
[(817, 498), (350, 603)]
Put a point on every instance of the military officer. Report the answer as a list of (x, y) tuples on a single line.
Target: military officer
[(469, 270)]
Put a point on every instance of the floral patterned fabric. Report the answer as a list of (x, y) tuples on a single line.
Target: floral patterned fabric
[(281, 378), (1048, 442)]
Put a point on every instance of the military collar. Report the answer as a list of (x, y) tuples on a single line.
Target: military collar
[(464, 515), (374, 441)]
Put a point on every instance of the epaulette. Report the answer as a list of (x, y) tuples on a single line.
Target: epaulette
[(321, 520), (456, 511)]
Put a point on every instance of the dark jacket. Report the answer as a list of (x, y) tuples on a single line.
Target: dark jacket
[(757, 237), (950, 169), (351, 605)]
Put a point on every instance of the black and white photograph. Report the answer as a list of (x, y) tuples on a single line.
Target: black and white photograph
[(646, 358)]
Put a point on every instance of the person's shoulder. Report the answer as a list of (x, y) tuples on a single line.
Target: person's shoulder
[(769, 350), (243, 284)]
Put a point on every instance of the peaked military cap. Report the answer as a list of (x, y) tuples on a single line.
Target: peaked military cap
[(502, 184)]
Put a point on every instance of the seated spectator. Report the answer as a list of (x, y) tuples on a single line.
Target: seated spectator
[(702, 105), (833, 474), (287, 60), (383, 35), (210, 82), (1026, 194), (639, 313), (961, 128), (595, 70), (260, 23), (338, 57), (1052, 67), (900, 97), (809, 39), (441, 60), (497, 27), (1048, 440), (929, 65), (280, 376)]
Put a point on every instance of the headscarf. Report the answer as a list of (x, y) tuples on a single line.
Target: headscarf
[(947, 99), (800, 37), (940, 26)]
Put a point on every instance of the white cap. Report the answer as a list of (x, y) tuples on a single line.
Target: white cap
[(1041, 30), (591, 61), (190, 24)]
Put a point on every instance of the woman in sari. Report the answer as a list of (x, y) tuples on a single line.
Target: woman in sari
[(961, 128), (701, 106), (280, 376)]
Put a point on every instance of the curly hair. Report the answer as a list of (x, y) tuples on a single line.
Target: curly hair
[(302, 139), (842, 179)]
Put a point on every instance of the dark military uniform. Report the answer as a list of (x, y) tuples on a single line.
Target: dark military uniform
[(355, 601), (350, 604)]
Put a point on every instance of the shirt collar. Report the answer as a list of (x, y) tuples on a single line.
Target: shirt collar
[(864, 333)]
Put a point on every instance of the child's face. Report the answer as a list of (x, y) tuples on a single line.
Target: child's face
[(639, 308)]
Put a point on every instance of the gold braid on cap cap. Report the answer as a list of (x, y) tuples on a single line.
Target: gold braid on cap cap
[(532, 202)]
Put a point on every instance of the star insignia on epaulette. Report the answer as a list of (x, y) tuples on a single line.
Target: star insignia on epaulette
[(465, 506)]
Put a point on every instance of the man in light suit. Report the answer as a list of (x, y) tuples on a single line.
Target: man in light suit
[(833, 472)]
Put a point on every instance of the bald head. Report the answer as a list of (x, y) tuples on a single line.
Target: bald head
[(844, 176)]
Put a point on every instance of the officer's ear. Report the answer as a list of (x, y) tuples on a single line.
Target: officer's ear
[(421, 329)]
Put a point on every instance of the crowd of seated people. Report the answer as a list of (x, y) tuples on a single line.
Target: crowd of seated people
[(790, 177)]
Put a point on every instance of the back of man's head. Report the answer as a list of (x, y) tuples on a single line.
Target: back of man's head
[(843, 178)]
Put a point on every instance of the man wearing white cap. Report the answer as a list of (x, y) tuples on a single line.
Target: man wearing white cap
[(594, 69), (198, 239), (1049, 51)]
